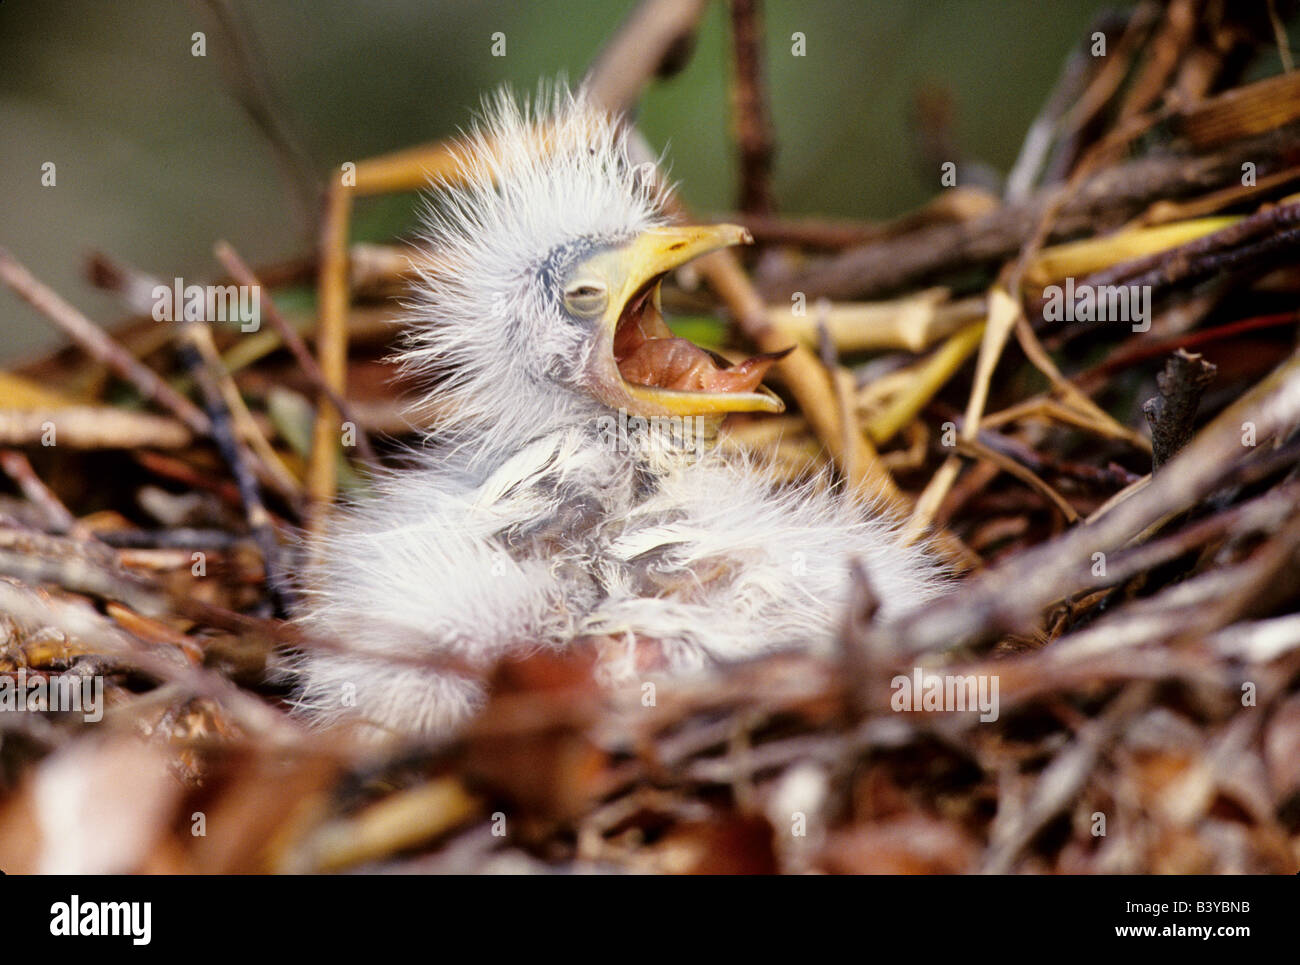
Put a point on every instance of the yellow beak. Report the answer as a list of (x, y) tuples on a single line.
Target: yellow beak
[(660, 250), (633, 267)]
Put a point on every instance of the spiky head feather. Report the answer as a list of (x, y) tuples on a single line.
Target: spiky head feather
[(536, 189)]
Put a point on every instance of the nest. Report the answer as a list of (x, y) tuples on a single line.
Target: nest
[(1085, 390)]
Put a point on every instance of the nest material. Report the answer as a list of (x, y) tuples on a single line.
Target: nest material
[(1134, 598)]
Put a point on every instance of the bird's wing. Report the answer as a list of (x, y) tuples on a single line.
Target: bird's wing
[(727, 566)]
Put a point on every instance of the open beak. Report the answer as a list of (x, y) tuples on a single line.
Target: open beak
[(643, 367)]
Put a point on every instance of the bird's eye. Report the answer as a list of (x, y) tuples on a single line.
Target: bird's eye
[(586, 298)]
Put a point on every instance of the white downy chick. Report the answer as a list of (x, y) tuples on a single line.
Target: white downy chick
[(575, 497)]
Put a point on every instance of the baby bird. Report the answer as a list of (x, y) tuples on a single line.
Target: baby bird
[(575, 499)]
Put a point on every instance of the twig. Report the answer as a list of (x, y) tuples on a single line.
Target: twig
[(954, 206), (242, 274), (1109, 196), (1060, 782), (753, 123), (79, 620), (133, 286), (59, 518), (1040, 462), (1240, 243), (975, 448), (805, 232), (913, 322), (332, 350), (91, 427), (17, 467), (175, 538), (263, 456), (1034, 151), (240, 463), (98, 344), (1279, 34), (655, 40), (1172, 413), (1141, 351), (1014, 594)]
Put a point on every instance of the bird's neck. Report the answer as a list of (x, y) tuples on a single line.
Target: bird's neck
[(655, 443)]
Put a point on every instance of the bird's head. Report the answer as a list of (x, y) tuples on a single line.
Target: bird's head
[(551, 245)]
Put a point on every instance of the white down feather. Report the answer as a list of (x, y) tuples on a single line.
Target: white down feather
[(522, 526)]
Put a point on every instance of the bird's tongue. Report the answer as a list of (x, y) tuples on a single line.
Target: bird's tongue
[(648, 354), (675, 363)]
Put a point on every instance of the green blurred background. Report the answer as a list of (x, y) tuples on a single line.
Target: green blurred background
[(156, 160)]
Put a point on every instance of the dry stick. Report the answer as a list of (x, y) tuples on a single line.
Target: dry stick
[(1003, 311), (403, 171), (806, 232), (84, 567), (1172, 41), (1006, 314), (653, 41), (1012, 596), (913, 322), (753, 121), (133, 287), (1040, 462), (1252, 259), (1279, 35), (1242, 112), (1098, 419), (842, 382), (1195, 259), (1265, 578), (179, 537), (925, 380), (264, 456), (1191, 263), (92, 427), (954, 206), (1110, 77), (332, 348), (92, 569), (1060, 782), (1034, 150), (1115, 194), (98, 344), (1130, 355), (1080, 181), (28, 606), (57, 516), (239, 460), (1165, 212), (241, 273), (1172, 413), (978, 450), (1264, 513)]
